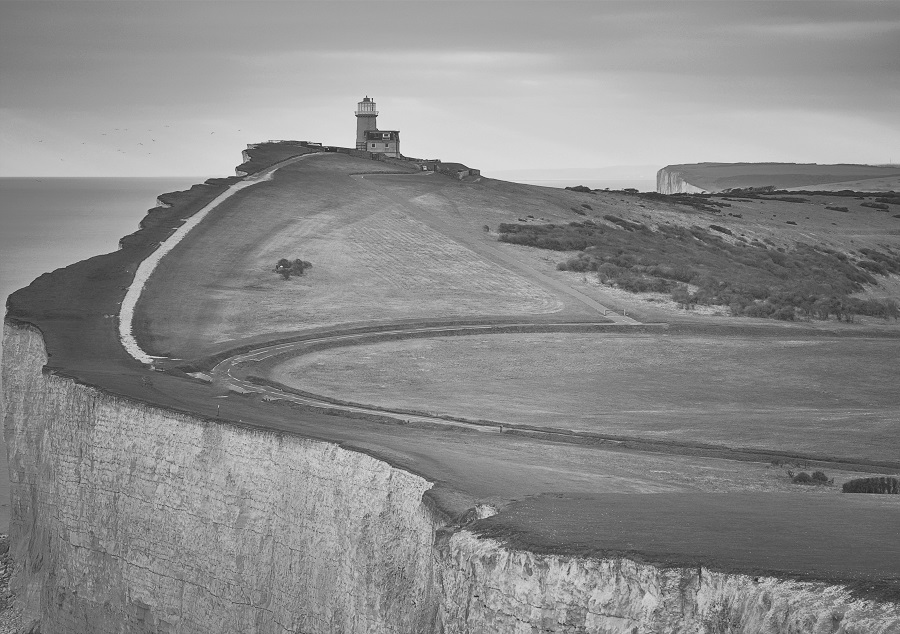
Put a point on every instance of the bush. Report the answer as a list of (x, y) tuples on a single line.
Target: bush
[(802, 478), (607, 272), (819, 476), (625, 224), (785, 313), (753, 279), (286, 268), (873, 485)]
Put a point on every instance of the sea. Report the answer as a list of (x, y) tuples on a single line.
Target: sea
[(48, 223)]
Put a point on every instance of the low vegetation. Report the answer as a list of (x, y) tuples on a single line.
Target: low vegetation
[(817, 478), (700, 266), (286, 268), (873, 485)]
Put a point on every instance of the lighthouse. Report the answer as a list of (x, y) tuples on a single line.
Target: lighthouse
[(366, 114), (369, 137)]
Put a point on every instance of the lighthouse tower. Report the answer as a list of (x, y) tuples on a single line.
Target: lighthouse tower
[(366, 114)]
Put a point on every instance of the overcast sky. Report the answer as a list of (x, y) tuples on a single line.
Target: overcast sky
[(178, 88)]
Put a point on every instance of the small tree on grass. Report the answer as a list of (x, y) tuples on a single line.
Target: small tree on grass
[(286, 268), (283, 268)]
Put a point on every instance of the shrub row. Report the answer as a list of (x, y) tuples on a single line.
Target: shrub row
[(751, 279), (873, 485)]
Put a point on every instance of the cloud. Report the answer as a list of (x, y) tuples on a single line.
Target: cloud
[(522, 84)]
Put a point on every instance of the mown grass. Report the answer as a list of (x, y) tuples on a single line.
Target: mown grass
[(824, 397), (373, 258)]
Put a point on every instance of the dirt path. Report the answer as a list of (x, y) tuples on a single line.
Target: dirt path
[(145, 268)]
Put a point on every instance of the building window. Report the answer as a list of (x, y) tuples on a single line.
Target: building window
[(373, 146)]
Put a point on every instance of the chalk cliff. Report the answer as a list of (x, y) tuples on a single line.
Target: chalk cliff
[(131, 518), (671, 181)]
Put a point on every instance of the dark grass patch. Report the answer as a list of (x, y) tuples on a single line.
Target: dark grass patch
[(787, 199), (882, 485), (815, 537), (697, 202), (751, 279)]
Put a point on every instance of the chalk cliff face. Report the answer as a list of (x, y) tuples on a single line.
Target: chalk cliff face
[(670, 181), (488, 588), (131, 518), (128, 518)]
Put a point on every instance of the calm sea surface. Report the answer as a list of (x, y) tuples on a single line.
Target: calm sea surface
[(48, 223)]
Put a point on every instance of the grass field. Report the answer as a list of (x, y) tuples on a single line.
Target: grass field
[(827, 397), (372, 259), (407, 247), (763, 533)]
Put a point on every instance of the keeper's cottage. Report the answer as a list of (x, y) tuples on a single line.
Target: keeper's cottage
[(369, 137)]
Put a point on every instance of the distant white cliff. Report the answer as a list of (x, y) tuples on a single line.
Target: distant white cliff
[(130, 518), (671, 181)]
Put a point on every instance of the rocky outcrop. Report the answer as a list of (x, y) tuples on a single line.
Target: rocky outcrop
[(671, 181), (131, 518)]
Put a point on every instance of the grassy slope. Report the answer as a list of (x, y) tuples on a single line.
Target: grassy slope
[(400, 248), (759, 221), (71, 307), (827, 397)]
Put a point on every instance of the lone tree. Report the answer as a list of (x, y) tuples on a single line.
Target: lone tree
[(286, 268)]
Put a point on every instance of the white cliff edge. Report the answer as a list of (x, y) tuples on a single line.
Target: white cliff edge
[(146, 267), (670, 181), (131, 518)]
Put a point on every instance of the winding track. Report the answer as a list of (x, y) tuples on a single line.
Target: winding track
[(147, 266), (227, 374)]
